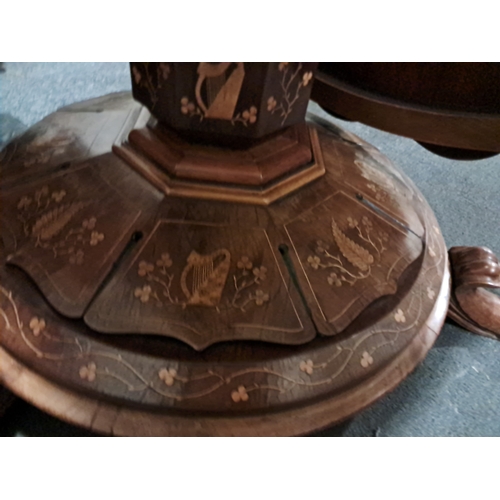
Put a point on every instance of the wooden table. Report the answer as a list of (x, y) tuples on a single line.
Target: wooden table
[(153, 285)]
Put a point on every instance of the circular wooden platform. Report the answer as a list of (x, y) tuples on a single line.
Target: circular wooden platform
[(313, 307)]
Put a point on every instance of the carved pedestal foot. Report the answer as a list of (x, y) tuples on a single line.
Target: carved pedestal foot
[(478, 310)]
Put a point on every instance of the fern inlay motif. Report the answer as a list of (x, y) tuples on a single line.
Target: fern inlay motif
[(51, 224), (352, 262), (354, 253)]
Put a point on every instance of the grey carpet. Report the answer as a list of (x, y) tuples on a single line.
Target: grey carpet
[(456, 390)]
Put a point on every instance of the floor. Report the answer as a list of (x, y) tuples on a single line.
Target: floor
[(454, 392)]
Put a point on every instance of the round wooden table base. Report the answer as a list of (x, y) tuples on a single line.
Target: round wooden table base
[(119, 420), (132, 312)]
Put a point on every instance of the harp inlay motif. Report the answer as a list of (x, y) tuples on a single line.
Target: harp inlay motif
[(223, 85), (204, 277)]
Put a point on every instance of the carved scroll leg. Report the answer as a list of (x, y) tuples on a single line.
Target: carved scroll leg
[(476, 309)]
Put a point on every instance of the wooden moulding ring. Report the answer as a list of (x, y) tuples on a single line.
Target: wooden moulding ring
[(258, 175)]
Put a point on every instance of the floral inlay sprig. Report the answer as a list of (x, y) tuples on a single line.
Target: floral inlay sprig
[(152, 79), (307, 366), (379, 194), (366, 359), (189, 108), (240, 394), (249, 116), (291, 83), (168, 375), (399, 316), (37, 325), (157, 274), (88, 372), (247, 278)]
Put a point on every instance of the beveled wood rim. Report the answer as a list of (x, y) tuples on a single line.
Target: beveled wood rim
[(111, 419), (453, 129), (265, 195)]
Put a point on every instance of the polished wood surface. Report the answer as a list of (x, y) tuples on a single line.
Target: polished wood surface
[(305, 311), (469, 87), (451, 107), (109, 418)]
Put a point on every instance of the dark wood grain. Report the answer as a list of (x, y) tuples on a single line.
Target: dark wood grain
[(453, 105), (470, 87), (228, 104)]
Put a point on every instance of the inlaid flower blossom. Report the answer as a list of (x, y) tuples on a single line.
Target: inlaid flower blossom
[(37, 326), (314, 261), (322, 246), (244, 263), (88, 372), (167, 375), (250, 115), (352, 222), (367, 222), (271, 103), (95, 238), (333, 279), (89, 223), (24, 202), (77, 258), (163, 261), (145, 268), (143, 293), (261, 297), (260, 273), (399, 317), (430, 293), (282, 65), (187, 106), (240, 394), (307, 366), (58, 195), (306, 78), (366, 360)]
